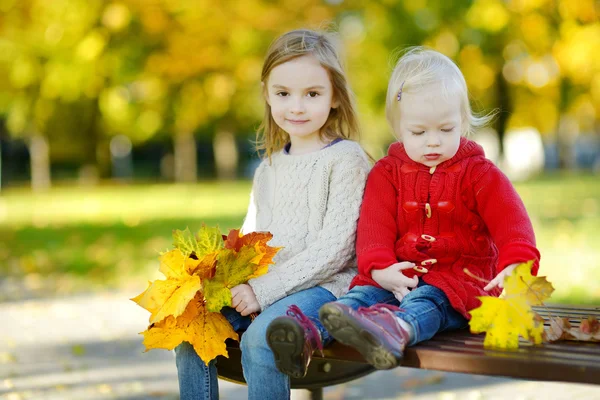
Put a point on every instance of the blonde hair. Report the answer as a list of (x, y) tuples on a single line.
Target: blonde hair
[(342, 121), (420, 67)]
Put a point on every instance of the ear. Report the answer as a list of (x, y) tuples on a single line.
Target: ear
[(265, 93), (335, 103)]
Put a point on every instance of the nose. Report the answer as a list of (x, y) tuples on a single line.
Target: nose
[(433, 140), (297, 106)]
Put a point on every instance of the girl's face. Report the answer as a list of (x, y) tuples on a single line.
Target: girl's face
[(429, 125), (301, 96)]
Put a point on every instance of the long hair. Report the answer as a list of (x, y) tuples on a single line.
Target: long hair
[(420, 67), (342, 121)]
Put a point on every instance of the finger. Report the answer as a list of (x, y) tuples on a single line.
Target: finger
[(408, 282), (406, 265), (501, 283), (253, 307), (236, 299), (415, 282), (404, 291), (247, 311), (493, 283), (241, 307), (398, 296)]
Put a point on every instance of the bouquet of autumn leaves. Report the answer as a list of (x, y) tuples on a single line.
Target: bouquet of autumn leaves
[(199, 272)]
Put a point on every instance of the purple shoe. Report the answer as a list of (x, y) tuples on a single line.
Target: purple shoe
[(293, 338), (373, 331)]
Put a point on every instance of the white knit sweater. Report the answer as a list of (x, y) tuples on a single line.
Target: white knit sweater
[(310, 203)]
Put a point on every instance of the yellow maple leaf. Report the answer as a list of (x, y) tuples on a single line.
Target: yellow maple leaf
[(205, 331), (506, 318), (169, 297), (208, 240), (536, 289)]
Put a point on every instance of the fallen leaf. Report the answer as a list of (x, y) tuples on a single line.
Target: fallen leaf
[(588, 330)]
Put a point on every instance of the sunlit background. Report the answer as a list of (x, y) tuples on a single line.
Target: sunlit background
[(123, 120)]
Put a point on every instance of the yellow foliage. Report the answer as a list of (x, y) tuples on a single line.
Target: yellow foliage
[(505, 319), (199, 274), (205, 331)]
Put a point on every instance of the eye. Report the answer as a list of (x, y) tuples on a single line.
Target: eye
[(417, 133), (313, 94), (282, 94), (448, 130)]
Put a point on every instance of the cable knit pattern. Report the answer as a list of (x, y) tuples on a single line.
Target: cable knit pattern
[(464, 213), (310, 203)]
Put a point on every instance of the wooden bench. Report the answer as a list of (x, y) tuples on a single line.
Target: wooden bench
[(458, 351)]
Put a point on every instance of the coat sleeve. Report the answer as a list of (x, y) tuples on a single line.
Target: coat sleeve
[(505, 216), (377, 230), (333, 247)]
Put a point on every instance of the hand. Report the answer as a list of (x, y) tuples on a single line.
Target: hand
[(499, 279), (244, 300), (393, 280)]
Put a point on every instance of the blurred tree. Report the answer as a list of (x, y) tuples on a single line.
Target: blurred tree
[(203, 70), (81, 73)]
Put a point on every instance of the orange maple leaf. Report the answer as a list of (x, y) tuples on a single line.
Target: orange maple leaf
[(205, 331)]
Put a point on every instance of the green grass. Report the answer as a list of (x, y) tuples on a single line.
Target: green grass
[(74, 238)]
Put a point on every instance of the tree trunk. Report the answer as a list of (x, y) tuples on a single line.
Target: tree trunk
[(226, 154), (563, 129), (90, 171), (505, 107), (39, 153), (186, 168)]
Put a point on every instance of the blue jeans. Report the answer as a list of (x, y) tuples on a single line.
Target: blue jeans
[(198, 381), (426, 308)]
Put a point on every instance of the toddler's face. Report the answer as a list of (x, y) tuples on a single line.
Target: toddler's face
[(301, 96), (429, 125)]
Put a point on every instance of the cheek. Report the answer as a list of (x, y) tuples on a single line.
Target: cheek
[(276, 111)]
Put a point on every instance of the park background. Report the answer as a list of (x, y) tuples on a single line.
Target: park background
[(123, 120)]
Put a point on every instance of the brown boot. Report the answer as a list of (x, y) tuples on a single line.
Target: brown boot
[(293, 338), (373, 331)]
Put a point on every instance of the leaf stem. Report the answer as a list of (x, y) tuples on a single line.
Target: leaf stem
[(472, 275)]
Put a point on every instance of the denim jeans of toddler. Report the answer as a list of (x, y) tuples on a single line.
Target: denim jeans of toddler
[(426, 308)]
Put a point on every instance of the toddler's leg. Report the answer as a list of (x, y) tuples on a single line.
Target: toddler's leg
[(198, 381), (428, 311), (263, 352), (381, 332)]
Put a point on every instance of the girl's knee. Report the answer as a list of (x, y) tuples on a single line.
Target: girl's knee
[(255, 337)]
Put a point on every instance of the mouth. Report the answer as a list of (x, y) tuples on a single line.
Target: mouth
[(432, 156), (297, 121)]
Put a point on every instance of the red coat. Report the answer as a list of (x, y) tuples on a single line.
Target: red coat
[(476, 221)]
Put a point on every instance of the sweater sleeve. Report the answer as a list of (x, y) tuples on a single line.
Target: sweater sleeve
[(505, 216), (333, 246), (249, 224), (377, 232)]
